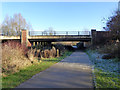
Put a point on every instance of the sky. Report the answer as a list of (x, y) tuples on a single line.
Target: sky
[(62, 16)]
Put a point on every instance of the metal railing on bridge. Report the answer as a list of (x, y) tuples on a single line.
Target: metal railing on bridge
[(44, 33)]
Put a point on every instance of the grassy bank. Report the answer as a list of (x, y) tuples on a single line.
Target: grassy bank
[(15, 79), (106, 79), (106, 71)]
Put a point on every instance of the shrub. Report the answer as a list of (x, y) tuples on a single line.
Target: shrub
[(54, 51), (61, 48), (13, 57), (51, 53), (36, 52), (113, 49), (30, 54), (42, 54), (46, 53)]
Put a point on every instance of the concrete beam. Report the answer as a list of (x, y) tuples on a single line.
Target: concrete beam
[(9, 37)]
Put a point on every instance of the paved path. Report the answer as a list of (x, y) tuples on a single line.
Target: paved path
[(72, 72)]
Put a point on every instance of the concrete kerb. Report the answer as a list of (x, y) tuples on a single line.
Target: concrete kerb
[(93, 73)]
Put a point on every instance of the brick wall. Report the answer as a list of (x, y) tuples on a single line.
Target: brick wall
[(24, 38), (100, 37)]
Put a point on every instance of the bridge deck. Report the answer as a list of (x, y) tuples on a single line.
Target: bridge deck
[(61, 38), (9, 37), (51, 38)]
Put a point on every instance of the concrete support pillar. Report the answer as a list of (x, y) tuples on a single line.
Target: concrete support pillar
[(58, 54), (87, 44), (38, 44), (33, 43), (41, 44), (44, 43)]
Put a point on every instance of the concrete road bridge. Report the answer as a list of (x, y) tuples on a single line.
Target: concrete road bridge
[(29, 38)]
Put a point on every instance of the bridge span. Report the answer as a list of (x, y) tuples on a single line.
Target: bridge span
[(58, 38), (29, 37)]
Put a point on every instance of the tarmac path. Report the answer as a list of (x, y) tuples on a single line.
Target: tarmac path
[(72, 72)]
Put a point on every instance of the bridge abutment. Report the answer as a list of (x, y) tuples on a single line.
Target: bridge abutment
[(93, 34), (24, 38), (99, 37)]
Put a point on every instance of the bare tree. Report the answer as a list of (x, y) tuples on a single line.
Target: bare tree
[(113, 25), (49, 31), (85, 31), (12, 25)]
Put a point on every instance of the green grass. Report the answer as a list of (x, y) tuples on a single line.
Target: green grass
[(106, 79), (17, 78)]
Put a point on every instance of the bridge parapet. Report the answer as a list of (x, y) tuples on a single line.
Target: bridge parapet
[(53, 33), (59, 36)]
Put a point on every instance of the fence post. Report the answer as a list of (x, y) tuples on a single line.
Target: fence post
[(29, 33), (66, 33), (78, 33), (54, 32)]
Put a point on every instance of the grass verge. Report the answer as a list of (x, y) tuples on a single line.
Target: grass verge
[(106, 79), (17, 78), (103, 77)]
